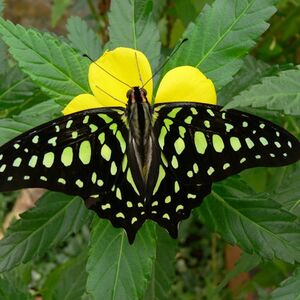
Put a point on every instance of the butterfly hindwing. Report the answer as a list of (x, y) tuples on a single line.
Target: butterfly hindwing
[(172, 200), (123, 203)]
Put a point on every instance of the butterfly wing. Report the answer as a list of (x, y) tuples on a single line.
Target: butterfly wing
[(200, 144), (204, 143), (80, 154)]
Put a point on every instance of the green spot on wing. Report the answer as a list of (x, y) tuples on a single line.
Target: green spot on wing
[(217, 143), (67, 156), (48, 159), (249, 143), (17, 162), (79, 183), (86, 119), (94, 177), (182, 131), (85, 152), (61, 180), (161, 139), (93, 127), (35, 139), (69, 123), (113, 168), (106, 152), (105, 118), (200, 142), (113, 127), (176, 187), (52, 141), (174, 162), (74, 134), (121, 140), (33, 161), (124, 163), (188, 120), (179, 145), (168, 123), (174, 112), (101, 137), (161, 176), (131, 181), (235, 143), (263, 141)]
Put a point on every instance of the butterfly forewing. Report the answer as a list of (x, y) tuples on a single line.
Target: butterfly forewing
[(58, 155), (203, 143)]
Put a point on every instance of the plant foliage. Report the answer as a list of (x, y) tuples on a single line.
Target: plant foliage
[(40, 72)]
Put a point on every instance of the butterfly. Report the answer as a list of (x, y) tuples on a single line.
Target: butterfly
[(140, 161), (143, 161)]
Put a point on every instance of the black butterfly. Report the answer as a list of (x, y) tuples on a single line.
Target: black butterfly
[(143, 162)]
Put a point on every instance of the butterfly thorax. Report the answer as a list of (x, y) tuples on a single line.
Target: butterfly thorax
[(139, 114)]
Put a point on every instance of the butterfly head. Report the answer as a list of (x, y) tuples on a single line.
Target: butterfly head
[(137, 95)]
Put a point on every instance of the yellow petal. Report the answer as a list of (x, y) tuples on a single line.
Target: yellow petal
[(81, 102), (186, 83), (124, 64)]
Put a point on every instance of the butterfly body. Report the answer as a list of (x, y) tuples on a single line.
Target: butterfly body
[(142, 150), (143, 162)]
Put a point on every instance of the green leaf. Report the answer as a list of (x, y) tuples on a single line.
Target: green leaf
[(132, 25), (58, 9), (163, 272), (185, 10), (3, 58), (8, 291), (251, 73), (54, 218), (222, 34), (15, 88), (29, 118), (255, 222), (287, 191), (117, 270), (40, 113), (83, 38), (289, 288), (52, 64), (20, 277), (280, 92), (67, 281), (38, 98), (245, 264)]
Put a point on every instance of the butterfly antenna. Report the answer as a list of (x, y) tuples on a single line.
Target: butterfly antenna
[(166, 61), (138, 67), (113, 76), (110, 95)]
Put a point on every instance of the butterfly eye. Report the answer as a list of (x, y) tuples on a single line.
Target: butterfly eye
[(144, 92), (129, 94)]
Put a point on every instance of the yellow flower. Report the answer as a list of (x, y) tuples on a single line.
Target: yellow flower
[(123, 68)]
